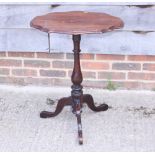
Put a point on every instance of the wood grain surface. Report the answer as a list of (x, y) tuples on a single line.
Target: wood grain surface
[(76, 22)]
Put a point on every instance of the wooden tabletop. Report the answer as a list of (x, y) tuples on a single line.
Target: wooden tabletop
[(76, 22)]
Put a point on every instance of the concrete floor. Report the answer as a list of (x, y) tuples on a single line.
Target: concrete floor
[(129, 124)]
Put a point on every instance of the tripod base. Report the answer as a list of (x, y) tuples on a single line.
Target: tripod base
[(86, 98), (77, 98)]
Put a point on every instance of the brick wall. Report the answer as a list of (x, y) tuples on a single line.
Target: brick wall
[(123, 71)]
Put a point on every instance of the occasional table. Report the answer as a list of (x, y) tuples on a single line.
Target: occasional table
[(76, 23)]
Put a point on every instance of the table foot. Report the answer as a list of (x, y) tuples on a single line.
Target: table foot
[(88, 99), (80, 136), (61, 103)]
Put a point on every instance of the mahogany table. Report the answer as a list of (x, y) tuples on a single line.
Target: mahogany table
[(76, 23)]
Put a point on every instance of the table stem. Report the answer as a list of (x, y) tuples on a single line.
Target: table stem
[(77, 93)]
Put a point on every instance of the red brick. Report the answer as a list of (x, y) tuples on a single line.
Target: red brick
[(118, 84), (36, 63), (109, 57), (2, 54), (50, 55), (141, 76), (148, 86), (149, 66), (69, 56), (128, 85), (24, 72), (62, 64), (141, 57), (4, 71), (86, 74), (86, 56), (10, 62), (126, 66), (83, 56), (26, 81), (111, 75), (12, 80), (38, 81), (89, 75), (52, 73), (21, 54), (62, 82), (95, 83), (95, 65)]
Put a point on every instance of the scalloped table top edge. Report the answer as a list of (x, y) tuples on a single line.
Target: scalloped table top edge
[(76, 22)]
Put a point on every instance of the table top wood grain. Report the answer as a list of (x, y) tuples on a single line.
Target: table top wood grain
[(76, 22)]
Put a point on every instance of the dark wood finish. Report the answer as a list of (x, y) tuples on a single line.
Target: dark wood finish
[(77, 98), (76, 22), (77, 92), (61, 103), (88, 99)]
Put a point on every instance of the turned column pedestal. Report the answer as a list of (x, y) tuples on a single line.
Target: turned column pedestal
[(76, 23), (77, 98)]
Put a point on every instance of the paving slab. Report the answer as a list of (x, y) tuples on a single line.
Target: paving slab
[(128, 125)]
